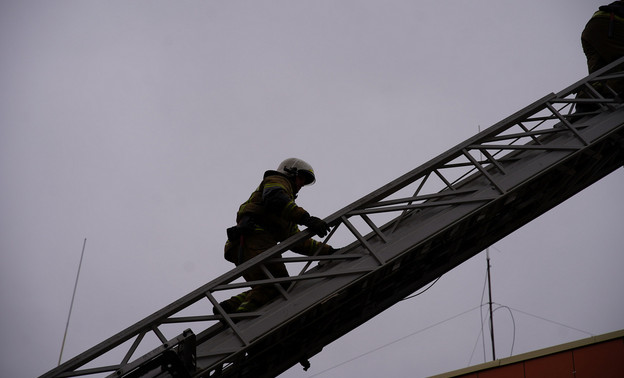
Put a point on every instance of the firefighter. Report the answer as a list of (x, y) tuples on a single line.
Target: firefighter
[(603, 43), (268, 217)]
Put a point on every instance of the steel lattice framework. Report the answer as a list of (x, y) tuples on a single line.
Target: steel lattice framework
[(398, 239)]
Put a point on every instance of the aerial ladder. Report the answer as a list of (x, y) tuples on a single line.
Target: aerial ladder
[(400, 238)]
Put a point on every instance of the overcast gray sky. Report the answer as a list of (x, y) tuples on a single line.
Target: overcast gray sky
[(142, 126)]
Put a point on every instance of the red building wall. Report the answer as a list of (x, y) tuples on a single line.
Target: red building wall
[(603, 359)]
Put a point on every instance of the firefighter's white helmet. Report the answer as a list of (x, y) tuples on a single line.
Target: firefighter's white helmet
[(294, 167)]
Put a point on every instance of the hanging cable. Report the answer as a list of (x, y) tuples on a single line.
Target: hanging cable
[(479, 337), (513, 321), (482, 321), (425, 289), (552, 321), (392, 342), (481, 332)]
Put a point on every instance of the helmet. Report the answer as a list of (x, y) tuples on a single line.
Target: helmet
[(294, 167)]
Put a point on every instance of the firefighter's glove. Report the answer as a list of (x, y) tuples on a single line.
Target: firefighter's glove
[(317, 225)]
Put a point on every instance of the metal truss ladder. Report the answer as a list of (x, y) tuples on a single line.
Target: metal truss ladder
[(398, 239)]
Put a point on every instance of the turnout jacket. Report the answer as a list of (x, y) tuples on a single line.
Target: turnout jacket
[(271, 209)]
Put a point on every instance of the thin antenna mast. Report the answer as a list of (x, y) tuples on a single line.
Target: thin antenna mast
[(487, 253), (84, 244), (489, 280)]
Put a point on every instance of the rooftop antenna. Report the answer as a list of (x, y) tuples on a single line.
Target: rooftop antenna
[(72, 301), (489, 278)]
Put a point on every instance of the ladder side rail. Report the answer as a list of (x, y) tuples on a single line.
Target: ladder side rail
[(597, 76)]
